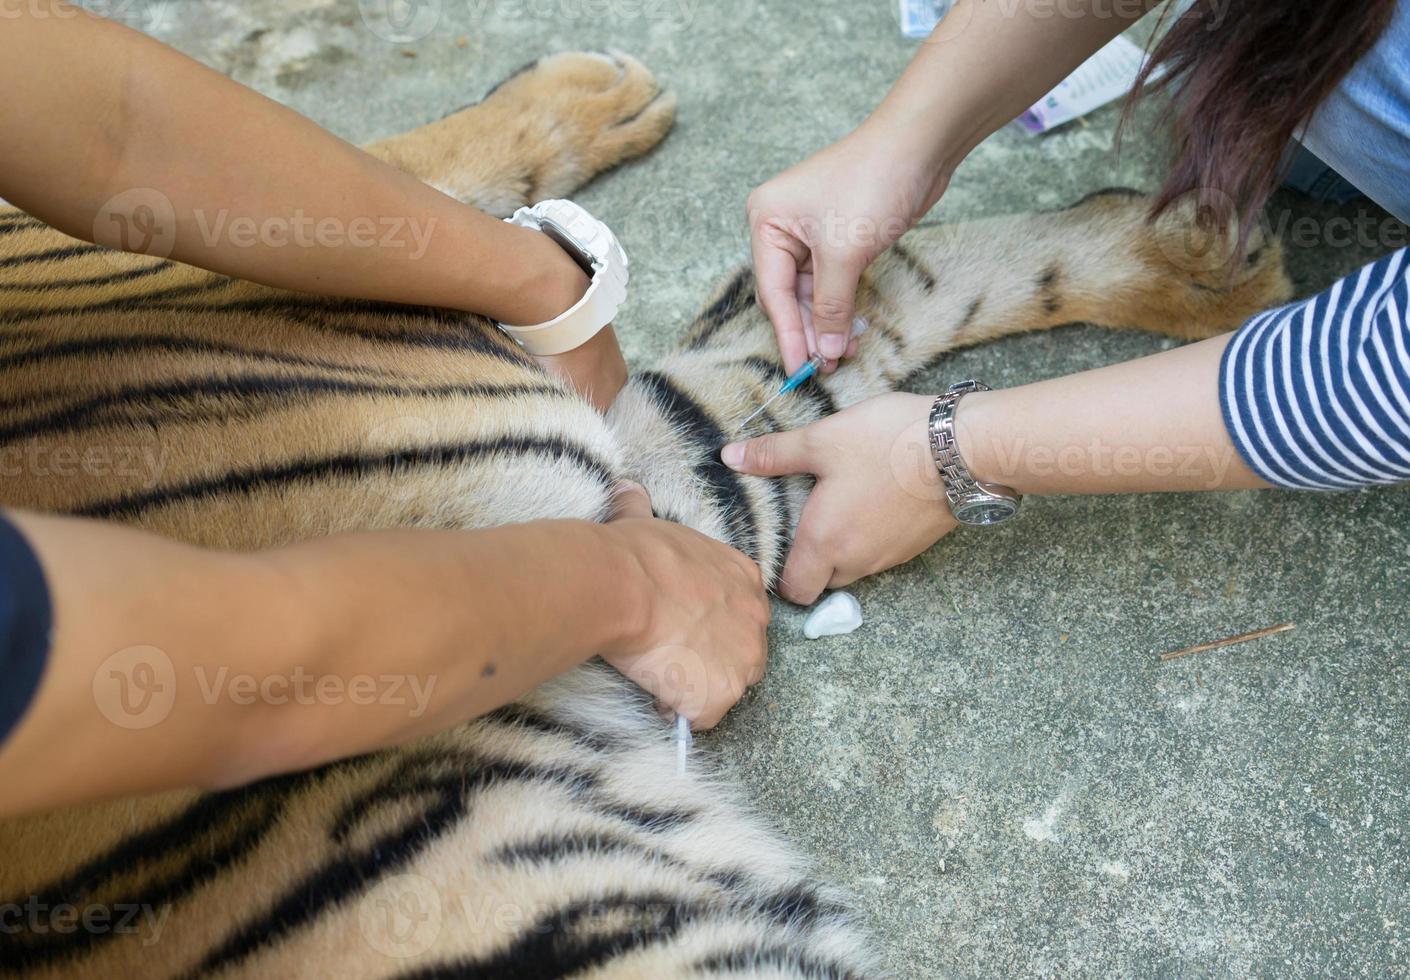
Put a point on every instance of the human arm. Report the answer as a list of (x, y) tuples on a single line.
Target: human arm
[(143, 126), (815, 227), (1099, 431), (431, 627), (1313, 395)]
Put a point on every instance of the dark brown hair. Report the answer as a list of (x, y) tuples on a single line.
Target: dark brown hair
[(1244, 77)]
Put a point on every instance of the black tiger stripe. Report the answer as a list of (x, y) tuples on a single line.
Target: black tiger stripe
[(737, 297), (344, 465), (549, 848), (285, 303), (107, 345), (21, 223), (417, 775), (518, 715), (350, 873), (798, 904), (181, 853), (50, 255), (971, 313), (448, 782), (777, 958), (93, 412), (577, 937), (467, 336), (133, 303), (879, 326), (1047, 288), (918, 269), (55, 285), (425, 773), (645, 817), (694, 424)]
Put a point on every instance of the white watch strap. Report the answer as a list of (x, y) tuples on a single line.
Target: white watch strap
[(604, 296)]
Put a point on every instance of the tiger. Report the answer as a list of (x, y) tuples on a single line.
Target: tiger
[(556, 836)]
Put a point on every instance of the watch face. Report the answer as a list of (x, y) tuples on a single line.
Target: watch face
[(985, 509)]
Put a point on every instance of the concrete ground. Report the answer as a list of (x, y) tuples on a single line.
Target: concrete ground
[(997, 763)]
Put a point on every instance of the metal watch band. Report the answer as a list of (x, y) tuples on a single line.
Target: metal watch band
[(970, 501)]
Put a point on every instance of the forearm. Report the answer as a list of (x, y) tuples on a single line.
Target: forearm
[(173, 666), (983, 65), (1145, 425), (254, 189)]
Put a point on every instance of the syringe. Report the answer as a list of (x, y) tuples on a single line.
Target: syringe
[(683, 741), (810, 367)]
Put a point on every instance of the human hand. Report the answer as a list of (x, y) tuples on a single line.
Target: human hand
[(702, 641), (815, 227), (878, 500)]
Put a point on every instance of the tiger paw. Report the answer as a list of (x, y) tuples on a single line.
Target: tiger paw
[(541, 133)]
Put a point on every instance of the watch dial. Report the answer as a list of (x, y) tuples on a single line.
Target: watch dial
[(985, 510)]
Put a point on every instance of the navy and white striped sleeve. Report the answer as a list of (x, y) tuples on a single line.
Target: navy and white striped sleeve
[(1316, 394)]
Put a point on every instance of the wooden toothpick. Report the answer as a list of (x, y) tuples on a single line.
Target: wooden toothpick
[(1227, 641)]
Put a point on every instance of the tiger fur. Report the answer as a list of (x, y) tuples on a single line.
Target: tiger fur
[(553, 837)]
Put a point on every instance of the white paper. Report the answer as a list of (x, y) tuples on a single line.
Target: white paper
[(1102, 78), (919, 17)]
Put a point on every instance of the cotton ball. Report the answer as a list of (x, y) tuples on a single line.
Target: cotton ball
[(838, 613)]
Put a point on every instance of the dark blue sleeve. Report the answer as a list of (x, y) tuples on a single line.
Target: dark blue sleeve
[(25, 621), (1316, 394)]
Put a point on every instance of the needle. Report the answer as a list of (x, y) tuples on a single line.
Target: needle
[(809, 368)]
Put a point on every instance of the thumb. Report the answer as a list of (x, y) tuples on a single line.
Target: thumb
[(776, 454), (834, 298), (630, 500)]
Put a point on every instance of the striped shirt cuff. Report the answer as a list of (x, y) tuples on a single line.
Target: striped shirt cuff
[(1316, 394)]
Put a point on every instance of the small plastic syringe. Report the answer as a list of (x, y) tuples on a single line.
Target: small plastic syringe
[(810, 367), (683, 741)]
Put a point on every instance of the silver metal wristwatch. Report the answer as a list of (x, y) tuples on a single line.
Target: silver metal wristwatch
[(971, 502)]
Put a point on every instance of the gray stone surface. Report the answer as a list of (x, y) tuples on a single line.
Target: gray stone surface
[(996, 763)]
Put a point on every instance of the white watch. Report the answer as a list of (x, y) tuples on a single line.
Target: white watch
[(592, 245)]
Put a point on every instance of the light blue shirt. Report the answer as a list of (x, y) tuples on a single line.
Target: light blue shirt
[(1362, 131)]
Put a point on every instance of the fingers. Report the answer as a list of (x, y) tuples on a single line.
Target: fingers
[(835, 278), (808, 569), (776, 454), (630, 499), (776, 261)]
